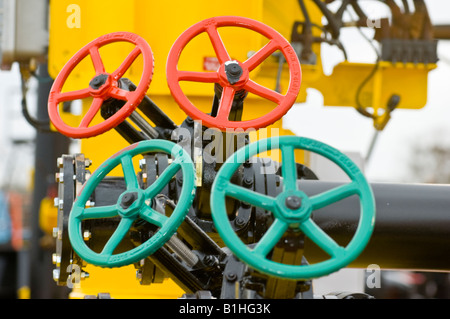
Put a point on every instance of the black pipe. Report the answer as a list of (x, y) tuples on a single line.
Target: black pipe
[(412, 225)]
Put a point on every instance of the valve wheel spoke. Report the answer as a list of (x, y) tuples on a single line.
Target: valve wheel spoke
[(257, 89), (120, 232), (226, 102), (96, 60), (99, 212), (288, 167), (261, 55), (270, 238), (203, 77), (123, 68), (120, 94), (250, 197), (93, 110), (129, 173), (318, 236), (163, 179), (153, 217), (217, 43), (72, 95)]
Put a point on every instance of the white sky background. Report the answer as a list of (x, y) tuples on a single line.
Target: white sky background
[(343, 128)]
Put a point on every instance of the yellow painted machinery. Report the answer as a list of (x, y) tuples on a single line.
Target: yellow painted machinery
[(184, 177)]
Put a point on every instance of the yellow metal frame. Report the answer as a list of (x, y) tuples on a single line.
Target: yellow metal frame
[(407, 80)]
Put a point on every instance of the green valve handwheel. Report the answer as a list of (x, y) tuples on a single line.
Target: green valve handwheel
[(132, 204), (292, 208)]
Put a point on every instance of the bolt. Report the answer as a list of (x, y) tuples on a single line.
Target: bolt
[(239, 221), (59, 162), (55, 274), (167, 133), (142, 163), (87, 235), (55, 232), (245, 205), (234, 69), (60, 177), (248, 181), (56, 259), (87, 162), (210, 260), (128, 199), (231, 276), (293, 202), (144, 177), (98, 81), (139, 274), (277, 180), (90, 203)]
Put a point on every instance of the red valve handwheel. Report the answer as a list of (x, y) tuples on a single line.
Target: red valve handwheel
[(240, 71), (102, 86)]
